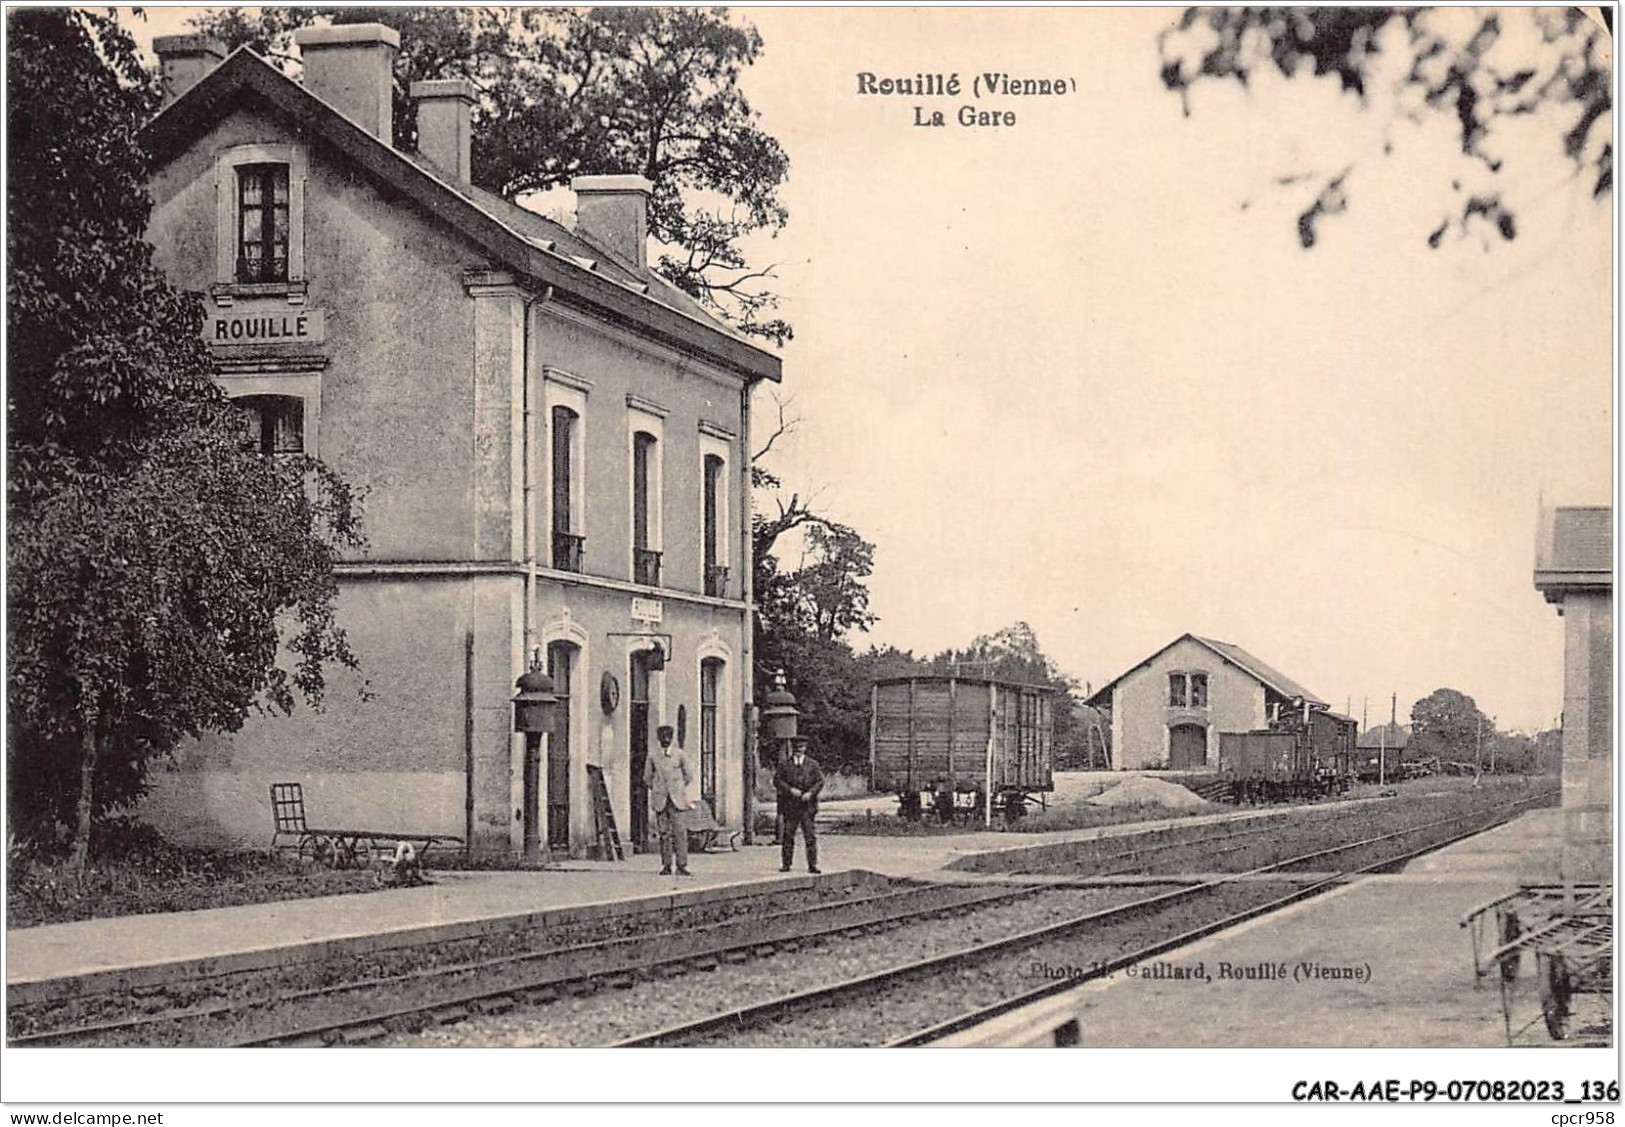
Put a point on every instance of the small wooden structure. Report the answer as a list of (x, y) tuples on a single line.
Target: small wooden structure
[(957, 741)]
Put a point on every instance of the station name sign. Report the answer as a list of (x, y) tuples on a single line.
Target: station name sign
[(249, 326)]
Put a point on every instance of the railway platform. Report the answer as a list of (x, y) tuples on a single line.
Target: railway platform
[(131, 952), (1382, 962)]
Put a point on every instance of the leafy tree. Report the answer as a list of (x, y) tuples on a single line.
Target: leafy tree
[(1448, 724), (1014, 654), (563, 92), (157, 565), (1450, 65)]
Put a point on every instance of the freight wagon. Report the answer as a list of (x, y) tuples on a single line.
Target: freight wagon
[(1307, 754), (951, 742)]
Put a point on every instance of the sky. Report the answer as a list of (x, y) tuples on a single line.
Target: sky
[(1078, 370)]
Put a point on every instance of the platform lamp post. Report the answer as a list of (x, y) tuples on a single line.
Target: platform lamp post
[(780, 716), (533, 707)]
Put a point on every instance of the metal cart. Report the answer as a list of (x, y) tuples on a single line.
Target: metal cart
[(1568, 928)]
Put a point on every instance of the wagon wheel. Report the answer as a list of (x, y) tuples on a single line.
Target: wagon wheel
[(1510, 930), (1556, 991), (325, 852), (355, 854), (911, 807)]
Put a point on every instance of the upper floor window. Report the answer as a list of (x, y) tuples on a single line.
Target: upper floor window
[(645, 509), (1187, 690), (262, 223), (716, 573), (260, 220), (568, 544), (276, 423)]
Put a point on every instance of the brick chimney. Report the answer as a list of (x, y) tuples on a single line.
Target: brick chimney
[(444, 116), (351, 67), (613, 211), (184, 59)]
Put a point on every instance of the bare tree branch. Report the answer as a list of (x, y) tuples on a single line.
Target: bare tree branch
[(787, 425)]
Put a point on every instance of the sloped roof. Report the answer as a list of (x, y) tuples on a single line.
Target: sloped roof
[(1394, 737), (1574, 548), (1271, 676), (533, 246), (1228, 651)]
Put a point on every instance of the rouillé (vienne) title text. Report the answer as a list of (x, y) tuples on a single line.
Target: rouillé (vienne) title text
[(983, 86)]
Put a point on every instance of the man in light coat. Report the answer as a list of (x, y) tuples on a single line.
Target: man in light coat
[(669, 776)]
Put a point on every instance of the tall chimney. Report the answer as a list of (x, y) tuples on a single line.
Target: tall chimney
[(614, 212), (351, 67), (444, 118), (184, 59)]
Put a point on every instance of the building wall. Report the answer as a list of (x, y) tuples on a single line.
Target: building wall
[(618, 367), (1588, 776), (429, 395), (1141, 715), (388, 749), (395, 398)]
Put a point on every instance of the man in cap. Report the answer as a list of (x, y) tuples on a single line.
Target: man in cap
[(797, 782), (669, 775)]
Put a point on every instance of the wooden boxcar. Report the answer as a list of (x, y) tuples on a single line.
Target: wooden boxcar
[(1301, 756), (954, 741)]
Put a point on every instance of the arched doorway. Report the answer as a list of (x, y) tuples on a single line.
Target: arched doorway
[(1187, 747), (561, 663)]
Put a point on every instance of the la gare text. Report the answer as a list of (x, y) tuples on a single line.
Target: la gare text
[(949, 85)]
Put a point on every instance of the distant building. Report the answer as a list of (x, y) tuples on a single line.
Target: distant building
[(1385, 741), (553, 444), (1169, 710), (1574, 569)]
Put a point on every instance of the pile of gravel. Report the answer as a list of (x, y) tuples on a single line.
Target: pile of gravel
[(1142, 791)]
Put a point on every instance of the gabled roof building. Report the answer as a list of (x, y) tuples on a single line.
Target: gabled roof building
[(1169, 710), (551, 442)]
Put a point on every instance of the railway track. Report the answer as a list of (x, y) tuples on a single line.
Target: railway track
[(1135, 855), (464, 989), (870, 1008), (1221, 840), (368, 1010)]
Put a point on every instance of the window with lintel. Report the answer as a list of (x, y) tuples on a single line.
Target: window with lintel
[(262, 223)]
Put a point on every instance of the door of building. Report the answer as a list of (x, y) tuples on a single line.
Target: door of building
[(1187, 747), (638, 718), (560, 667)]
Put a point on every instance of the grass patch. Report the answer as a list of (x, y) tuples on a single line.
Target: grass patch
[(134, 871)]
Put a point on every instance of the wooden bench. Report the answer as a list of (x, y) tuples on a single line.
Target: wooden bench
[(337, 848), (705, 833)]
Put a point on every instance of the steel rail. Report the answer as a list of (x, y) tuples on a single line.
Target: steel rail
[(823, 995), (682, 944), (976, 1017), (701, 948)]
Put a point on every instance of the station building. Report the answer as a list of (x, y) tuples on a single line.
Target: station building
[(1574, 570), (1169, 710), (551, 443)]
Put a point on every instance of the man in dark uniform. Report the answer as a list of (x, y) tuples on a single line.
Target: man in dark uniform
[(798, 781)]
